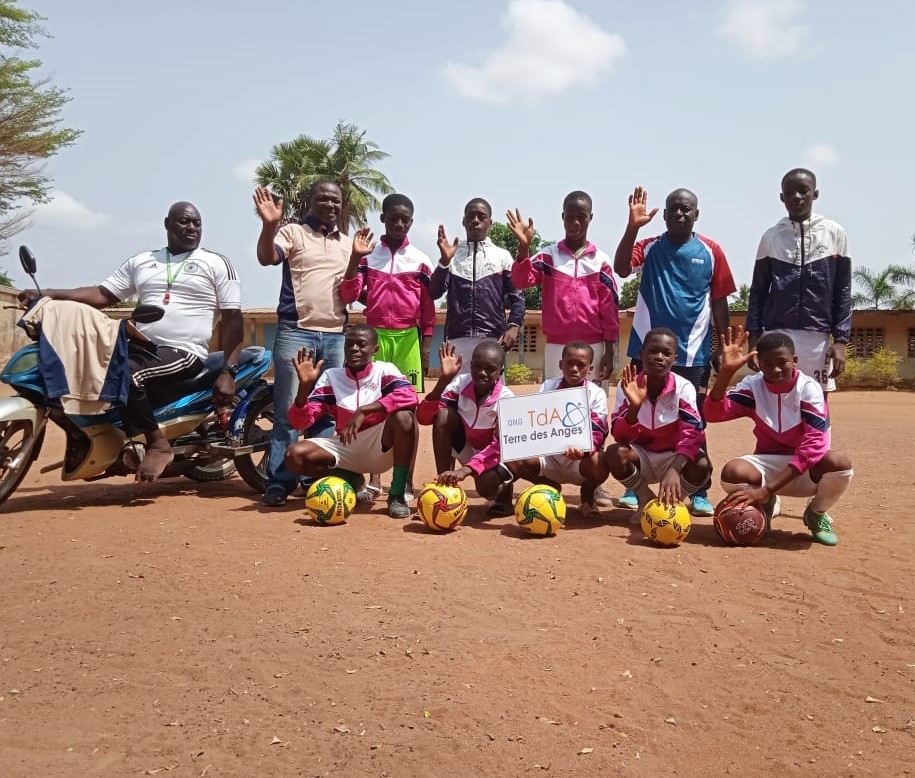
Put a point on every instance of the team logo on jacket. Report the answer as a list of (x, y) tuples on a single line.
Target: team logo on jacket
[(192, 267)]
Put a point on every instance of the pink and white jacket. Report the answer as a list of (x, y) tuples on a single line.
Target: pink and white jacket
[(397, 284), (478, 419), (597, 402), (580, 300), (672, 423), (790, 418), (340, 393)]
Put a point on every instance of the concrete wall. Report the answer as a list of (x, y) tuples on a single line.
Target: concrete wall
[(12, 338)]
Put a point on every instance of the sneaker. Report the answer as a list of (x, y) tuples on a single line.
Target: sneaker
[(628, 500), (274, 496), (589, 510), (701, 505), (409, 497), (499, 509), (368, 493), (820, 524), (770, 509), (397, 507), (602, 498)]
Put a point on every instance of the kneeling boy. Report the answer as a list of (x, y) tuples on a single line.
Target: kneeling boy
[(462, 411), (791, 425), (574, 466), (372, 405), (657, 426)]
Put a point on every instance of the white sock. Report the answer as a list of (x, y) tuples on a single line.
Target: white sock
[(830, 490), (729, 487)]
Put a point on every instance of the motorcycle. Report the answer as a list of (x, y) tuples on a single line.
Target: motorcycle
[(209, 444)]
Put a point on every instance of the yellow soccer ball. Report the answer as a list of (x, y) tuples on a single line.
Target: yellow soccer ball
[(540, 510), (440, 507), (330, 500), (666, 526)]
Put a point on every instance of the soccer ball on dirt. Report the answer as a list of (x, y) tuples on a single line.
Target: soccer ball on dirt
[(440, 507), (739, 526), (666, 526), (540, 510), (330, 500)]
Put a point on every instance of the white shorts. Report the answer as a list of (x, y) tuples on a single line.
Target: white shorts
[(363, 455), (769, 465), (812, 349), (653, 464), (561, 470), (463, 347), (552, 356), (465, 454)]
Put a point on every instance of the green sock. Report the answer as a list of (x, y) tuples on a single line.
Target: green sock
[(399, 480)]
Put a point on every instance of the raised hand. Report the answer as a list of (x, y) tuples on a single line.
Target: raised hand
[(635, 394), (446, 250), (639, 215), (363, 243), (523, 232), (305, 367), (733, 343), (449, 360), (270, 212)]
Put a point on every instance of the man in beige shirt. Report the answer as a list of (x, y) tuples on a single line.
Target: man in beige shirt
[(314, 255)]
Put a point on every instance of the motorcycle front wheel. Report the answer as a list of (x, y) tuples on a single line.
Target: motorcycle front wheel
[(257, 428), (19, 447)]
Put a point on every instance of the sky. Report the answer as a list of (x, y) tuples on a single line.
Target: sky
[(519, 102)]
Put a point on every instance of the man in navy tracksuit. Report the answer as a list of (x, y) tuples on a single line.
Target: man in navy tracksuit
[(476, 274)]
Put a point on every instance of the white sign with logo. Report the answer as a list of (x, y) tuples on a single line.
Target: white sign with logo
[(543, 424)]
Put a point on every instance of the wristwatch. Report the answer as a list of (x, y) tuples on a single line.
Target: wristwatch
[(232, 370)]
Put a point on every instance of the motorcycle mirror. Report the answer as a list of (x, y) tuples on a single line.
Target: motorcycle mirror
[(29, 264), (147, 314)]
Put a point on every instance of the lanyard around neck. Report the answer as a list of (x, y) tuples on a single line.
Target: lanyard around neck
[(169, 278)]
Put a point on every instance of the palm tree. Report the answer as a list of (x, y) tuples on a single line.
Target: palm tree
[(741, 299), (900, 274), (878, 288), (346, 158)]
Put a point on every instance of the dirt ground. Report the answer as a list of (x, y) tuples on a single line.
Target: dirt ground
[(182, 628)]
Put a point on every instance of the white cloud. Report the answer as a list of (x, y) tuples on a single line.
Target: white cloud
[(550, 48), (821, 155), (246, 170), (766, 29), (63, 210)]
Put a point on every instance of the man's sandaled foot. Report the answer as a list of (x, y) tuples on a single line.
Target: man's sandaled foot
[(154, 463), (275, 496)]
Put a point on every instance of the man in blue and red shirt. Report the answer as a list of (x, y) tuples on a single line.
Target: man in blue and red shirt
[(685, 285)]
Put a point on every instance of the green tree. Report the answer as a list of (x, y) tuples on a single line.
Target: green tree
[(5, 280), (29, 112), (629, 294), (502, 236), (347, 158), (878, 289), (740, 300)]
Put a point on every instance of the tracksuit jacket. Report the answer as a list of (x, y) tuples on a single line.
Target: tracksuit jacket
[(478, 281), (397, 288), (580, 300), (802, 279)]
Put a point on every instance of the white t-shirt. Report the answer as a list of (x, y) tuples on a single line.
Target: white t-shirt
[(205, 283)]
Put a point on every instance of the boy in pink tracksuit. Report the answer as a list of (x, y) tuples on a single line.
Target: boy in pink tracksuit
[(658, 430), (580, 299), (791, 425), (394, 279), (372, 406)]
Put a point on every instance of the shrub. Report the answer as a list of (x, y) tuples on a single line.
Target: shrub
[(879, 371), (518, 374)]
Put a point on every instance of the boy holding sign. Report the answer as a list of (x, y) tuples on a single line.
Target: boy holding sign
[(657, 426), (462, 411), (575, 466)]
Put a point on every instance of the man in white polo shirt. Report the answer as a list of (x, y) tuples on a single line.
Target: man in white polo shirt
[(191, 284)]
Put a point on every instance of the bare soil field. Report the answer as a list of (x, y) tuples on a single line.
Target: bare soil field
[(183, 629)]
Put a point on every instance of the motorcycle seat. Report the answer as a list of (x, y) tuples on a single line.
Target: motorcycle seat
[(205, 378)]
